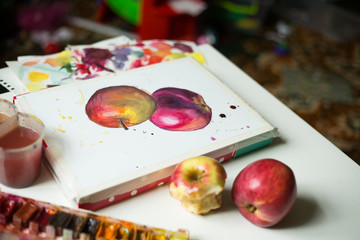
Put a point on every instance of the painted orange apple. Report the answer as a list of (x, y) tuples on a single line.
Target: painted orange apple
[(120, 106)]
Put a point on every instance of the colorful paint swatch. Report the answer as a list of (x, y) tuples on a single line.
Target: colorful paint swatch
[(25, 218), (81, 62), (22, 217)]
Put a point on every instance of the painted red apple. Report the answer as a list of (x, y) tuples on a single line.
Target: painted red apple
[(120, 106), (264, 192), (180, 110), (198, 183)]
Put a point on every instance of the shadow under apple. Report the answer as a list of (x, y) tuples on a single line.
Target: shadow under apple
[(303, 212), (227, 203)]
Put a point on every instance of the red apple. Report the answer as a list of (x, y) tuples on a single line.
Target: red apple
[(264, 192), (198, 183), (180, 110)]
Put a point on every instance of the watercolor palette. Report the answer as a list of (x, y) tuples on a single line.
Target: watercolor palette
[(26, 218), (114, 137)]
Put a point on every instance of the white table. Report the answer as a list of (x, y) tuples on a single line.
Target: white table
[(328, 203)]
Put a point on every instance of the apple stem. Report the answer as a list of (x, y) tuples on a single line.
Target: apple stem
[(250, 208), (123, 125), (196, 176)]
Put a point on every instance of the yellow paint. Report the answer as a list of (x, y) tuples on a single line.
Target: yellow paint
[(60, 130), (62, 59), (197, 56), (63, 117), (32, 87), (100, 141), (82, 98), (176, 55), (38, 76)]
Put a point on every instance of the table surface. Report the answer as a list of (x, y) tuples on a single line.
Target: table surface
[(327, 205)]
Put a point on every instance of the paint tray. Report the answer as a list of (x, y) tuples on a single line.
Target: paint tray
[(97, 165)]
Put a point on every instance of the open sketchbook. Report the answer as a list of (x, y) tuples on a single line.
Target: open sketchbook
[(113, 137)]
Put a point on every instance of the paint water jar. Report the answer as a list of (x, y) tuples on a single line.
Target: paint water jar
[(21, 152)]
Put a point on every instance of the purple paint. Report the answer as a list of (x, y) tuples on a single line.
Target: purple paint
[(183, 47)]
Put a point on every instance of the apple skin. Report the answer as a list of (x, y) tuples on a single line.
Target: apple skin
[(180, 110), (198, 183), (264, 192)]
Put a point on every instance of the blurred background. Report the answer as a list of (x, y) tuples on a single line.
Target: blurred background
[(305, 52)]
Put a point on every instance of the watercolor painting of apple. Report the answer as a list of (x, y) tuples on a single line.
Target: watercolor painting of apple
[(180, 110), (120, 106)]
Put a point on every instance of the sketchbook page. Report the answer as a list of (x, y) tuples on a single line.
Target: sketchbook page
[(95, 154)]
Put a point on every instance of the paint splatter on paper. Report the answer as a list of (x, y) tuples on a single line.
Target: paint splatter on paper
[(82, 98), (61, 130)]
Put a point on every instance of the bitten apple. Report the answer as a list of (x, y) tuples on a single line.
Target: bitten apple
[(264, 192), (198, 183)]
